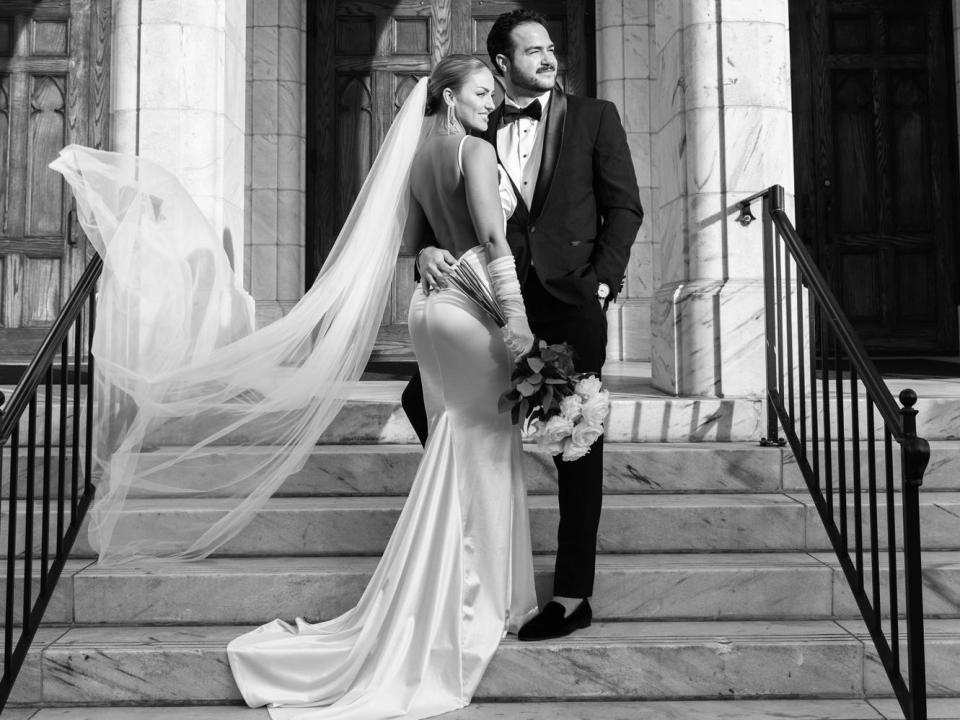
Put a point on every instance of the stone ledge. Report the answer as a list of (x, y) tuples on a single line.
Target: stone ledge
[(629, 660), (884, 709), (633, 587), (767, 522)]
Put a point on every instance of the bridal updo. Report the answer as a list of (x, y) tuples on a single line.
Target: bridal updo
[(451, 72)]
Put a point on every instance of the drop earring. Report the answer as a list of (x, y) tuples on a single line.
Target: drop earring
[(453, 125)]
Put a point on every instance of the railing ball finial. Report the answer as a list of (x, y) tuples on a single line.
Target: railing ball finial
[(745, 217), (908, 398)]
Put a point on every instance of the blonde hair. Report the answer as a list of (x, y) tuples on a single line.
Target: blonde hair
[(451, 72)]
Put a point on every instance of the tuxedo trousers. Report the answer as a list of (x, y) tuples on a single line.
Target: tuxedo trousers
[(580, 482)]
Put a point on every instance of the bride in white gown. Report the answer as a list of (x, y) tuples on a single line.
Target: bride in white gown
[(457, 573)]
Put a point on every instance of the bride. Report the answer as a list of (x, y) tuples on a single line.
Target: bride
[(457, 572), (177, 364)]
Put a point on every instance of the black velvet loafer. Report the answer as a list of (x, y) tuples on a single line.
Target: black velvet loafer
[(551, 623)]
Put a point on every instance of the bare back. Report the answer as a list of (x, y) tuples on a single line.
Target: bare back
[(436, 181)]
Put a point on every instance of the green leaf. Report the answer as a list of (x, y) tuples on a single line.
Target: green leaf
[(526, 389), (535, 364)]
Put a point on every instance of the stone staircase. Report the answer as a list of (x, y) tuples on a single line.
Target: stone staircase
[(717, 594)]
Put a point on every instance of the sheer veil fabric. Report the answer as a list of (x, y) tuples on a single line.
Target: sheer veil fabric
[(178, 362)]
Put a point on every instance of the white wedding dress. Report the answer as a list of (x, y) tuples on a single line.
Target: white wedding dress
[(457, 573)]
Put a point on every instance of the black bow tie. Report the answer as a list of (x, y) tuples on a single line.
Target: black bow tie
[(532, 111)]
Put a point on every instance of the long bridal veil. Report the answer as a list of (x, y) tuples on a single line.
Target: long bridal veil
[(178, 364)]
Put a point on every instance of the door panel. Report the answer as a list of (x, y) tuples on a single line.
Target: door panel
[(363, 58), (53, 64), (873, 99)]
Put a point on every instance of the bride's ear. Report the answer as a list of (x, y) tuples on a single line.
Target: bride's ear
[(448, 97)]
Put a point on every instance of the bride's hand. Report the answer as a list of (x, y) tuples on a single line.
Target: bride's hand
[(518, 337), (434, 263)]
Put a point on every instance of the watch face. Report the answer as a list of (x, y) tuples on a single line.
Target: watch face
[(603, 291)]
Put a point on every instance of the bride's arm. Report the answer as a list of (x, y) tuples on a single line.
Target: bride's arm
[(482, 187), (483, 200)]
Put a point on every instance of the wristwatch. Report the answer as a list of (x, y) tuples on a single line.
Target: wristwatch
[(603, 291)]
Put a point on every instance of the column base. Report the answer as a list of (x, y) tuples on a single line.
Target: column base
[(268, 311), (708, 338), (628, 330)]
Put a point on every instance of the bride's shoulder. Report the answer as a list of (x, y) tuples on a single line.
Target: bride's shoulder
[(476, 151)]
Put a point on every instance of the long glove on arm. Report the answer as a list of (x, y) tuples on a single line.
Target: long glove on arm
[(506, 288)]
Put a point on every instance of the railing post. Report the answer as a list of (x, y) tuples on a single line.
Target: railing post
[(770, 318), (914, 456)]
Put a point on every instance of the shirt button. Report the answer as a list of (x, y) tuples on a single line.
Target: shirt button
[(533, 229)]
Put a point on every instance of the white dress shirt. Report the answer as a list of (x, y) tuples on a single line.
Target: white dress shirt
[(520, 144)]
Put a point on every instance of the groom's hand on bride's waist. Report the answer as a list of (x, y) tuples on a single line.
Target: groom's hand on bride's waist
[(434, 263)]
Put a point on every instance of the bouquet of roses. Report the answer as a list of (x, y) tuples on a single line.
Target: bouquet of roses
[(565, 409)]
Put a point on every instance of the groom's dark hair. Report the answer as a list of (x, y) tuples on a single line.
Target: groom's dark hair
[(500, 42)]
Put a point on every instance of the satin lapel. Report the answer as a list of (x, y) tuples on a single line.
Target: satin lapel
[(552, 141), (490, 135)]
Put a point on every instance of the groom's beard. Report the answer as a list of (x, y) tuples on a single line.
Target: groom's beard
[(541, 81)]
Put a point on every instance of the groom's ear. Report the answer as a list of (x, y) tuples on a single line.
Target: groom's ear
[(502, 61)]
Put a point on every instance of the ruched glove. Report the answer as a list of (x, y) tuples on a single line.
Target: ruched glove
[(506, 288)]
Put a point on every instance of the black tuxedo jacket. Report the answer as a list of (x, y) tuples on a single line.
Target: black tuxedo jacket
[(586, 209)]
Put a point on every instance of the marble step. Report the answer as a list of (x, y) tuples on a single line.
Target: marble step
[(871, 709), (628, 587), (769, 522), (388, 469), (373, 415), (608, 661)]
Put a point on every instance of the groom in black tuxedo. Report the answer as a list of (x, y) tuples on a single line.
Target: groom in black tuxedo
[(577, 216)]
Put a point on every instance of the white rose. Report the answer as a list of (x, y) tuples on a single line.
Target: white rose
[(573, 451), (586, 434), (553, 432), (596, 409), (588, 387), (556, 429), (570, 407)]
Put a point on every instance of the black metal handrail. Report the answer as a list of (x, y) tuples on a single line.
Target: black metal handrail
[(800, 308), (73, 325)]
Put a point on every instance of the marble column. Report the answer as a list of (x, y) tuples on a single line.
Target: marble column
[(178, 76), (722, 131), (275, 155), (624, 40)]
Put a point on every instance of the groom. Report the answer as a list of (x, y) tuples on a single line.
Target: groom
[(577, 216)]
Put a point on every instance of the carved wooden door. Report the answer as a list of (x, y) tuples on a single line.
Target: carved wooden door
[(52, 92), (875, 139), (363, 58)]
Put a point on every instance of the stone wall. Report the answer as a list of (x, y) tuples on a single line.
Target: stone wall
[(191, 121), (624, 31), (275, 153)]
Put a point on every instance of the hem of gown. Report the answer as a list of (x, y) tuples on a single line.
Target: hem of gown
[(513, 627)]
